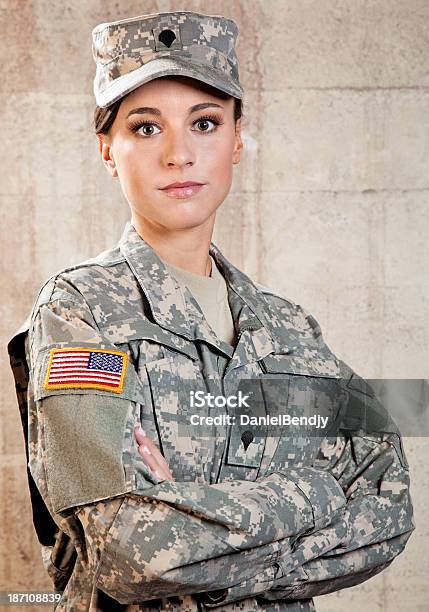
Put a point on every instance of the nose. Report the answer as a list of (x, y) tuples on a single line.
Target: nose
[(178, 150)]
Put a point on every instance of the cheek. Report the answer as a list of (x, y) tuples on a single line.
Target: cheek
[(130, 158), (219, 156), (135, 169)]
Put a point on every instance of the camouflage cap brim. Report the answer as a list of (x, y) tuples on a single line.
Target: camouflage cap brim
[(166, 66)]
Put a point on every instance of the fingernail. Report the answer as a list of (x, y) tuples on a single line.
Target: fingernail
[(146, 450), (141, 431), (159, 476)]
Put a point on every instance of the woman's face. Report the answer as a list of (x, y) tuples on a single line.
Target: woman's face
[(173, 142)]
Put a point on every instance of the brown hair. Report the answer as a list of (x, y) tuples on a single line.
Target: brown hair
[(104, 117)]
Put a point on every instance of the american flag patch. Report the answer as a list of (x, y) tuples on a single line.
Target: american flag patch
[(86, 368)]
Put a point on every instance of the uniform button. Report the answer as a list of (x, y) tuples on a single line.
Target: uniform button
[(247, 438)]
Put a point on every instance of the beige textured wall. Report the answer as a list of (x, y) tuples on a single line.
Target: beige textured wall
[(329, 204)]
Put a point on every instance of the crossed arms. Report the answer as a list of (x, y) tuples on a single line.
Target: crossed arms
[(290, 534)]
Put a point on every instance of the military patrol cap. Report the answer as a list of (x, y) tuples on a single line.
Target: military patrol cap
[(131, 52)]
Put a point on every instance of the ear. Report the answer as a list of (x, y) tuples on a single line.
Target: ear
[(105, 148), (238, 143)]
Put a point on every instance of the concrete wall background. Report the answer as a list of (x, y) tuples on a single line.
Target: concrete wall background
[(329, 204)]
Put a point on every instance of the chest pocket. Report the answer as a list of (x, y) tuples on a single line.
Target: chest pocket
[(168, 370), (296, 403), (186, 448)]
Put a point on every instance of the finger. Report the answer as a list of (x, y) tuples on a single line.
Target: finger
[(159, 457), (140, 434), (148, 458), (154, 467), (151, 455), (143, 439)]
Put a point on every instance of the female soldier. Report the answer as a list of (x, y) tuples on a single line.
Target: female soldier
[(185, 512)]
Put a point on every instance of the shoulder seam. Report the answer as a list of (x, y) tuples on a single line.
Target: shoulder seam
[(72, 299), (53, 288), (68, 299), (57, 274), (53, 279)]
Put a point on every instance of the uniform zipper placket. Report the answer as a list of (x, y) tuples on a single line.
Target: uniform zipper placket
[(245, 327)]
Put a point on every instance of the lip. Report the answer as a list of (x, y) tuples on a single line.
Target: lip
[(182, 191), (185, 184)]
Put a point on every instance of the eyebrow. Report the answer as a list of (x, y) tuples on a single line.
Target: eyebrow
[(142, 110)]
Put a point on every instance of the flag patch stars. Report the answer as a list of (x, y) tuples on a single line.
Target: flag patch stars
[(80, 368)]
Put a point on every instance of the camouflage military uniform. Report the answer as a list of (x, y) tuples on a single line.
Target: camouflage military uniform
[(264, 523)]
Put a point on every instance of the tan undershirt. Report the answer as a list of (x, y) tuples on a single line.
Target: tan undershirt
[(212, 296)]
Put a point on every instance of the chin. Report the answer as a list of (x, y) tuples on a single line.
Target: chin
[(187, 217), (185, 223)]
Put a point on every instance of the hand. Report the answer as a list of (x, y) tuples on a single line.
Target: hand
[(151, 455)]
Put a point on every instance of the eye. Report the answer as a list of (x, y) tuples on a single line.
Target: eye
[(144, 124), (208, 119)]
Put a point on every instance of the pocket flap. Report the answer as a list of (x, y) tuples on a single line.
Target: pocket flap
[(141, 329), (325, 366)]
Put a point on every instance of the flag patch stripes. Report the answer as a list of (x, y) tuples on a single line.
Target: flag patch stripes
[(83, 368)]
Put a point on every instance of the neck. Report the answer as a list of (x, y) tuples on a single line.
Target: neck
[(184, 248)]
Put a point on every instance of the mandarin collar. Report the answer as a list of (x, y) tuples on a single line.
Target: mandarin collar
[(166, 300)]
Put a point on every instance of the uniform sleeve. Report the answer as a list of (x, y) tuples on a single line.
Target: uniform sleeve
[(146, 540), (367, 458), (363, 540), (365, 454)]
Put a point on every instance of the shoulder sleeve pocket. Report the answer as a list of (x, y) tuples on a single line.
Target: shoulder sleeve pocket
[(86, 423)]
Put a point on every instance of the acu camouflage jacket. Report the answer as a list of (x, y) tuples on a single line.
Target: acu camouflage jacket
[(263, 521)]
